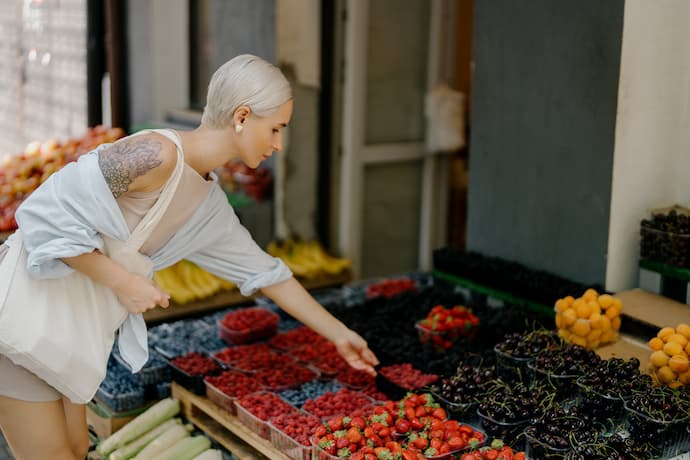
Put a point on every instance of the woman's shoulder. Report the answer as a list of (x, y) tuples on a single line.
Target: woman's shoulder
[(138, 163)]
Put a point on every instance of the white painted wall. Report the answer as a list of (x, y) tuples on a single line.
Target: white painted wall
[(298, 29), (651, 166)]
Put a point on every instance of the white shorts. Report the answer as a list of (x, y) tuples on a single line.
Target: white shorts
[(19, 383)]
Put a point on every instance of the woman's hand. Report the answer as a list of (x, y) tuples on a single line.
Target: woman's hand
[(139, 294), (355, 351)]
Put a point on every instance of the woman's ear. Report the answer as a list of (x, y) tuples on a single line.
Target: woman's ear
[(241, 114)]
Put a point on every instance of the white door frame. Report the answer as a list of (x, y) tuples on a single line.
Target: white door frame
[(356, 155)]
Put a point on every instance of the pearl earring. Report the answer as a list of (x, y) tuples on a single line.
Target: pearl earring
[(238, 128)]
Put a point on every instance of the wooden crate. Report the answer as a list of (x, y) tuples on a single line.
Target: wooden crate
[(103, 422), (224, 427)]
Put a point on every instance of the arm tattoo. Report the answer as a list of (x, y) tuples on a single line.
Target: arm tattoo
[(126, 160)]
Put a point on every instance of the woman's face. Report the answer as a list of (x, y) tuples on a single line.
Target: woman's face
[(264, 135)]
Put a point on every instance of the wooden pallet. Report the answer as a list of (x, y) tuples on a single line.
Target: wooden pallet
[(230, 298), (224, 427)]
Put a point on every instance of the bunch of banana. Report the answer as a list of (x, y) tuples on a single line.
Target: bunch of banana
[(185, 282), (307, 259)]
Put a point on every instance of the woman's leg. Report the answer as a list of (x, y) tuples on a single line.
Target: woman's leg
[(35, 430), (75, 415)]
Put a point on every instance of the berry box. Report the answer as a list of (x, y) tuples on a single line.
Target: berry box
[(466, 412), (666, 247), (156, 369), (298, 446), (289, 375), (538, 449), (227, 356), (192, 376), (605, 409), (343, 402), (563, 386), (667, 438), (225, 388), (509, 432), (396, 390), (220, 399), (248, 325), (319, 454), (119, 401), (256, 409), (511, 368)]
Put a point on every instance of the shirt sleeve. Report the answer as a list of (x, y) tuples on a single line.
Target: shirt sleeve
[(235, 256), (62, 218)]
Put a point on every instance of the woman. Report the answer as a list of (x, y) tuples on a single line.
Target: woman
[(249, 104)]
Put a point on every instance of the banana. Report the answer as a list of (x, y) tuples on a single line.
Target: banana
[(186, 271), (224, 284), (328, 264), (171, 283), (301, 256), (204, 281), (307, 259)]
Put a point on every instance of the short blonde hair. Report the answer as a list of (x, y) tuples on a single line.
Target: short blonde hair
[(244, 80)]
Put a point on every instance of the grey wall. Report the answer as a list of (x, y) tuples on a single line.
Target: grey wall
[(239, 26), (544, 98)]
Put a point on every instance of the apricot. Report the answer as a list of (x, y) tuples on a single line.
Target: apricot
[(656, 343), (684, 330), (665, 374), (665, 332), (678, 363), (581, 327), (678, 338), (673, 348), (590, 294), (605, 300)]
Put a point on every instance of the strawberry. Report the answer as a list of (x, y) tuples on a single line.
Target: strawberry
[(402, 426), (456, 443), (354, 436), (439, 413), (358, 422)]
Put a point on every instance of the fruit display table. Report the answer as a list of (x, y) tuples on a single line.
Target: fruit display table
[(230, 298)]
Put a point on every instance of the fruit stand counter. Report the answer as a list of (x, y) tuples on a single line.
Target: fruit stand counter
[(224, 427), (230, 298)]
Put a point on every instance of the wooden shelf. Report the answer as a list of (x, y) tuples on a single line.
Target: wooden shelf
[(224, 427), (652, 309), (230, 298), (220, 300), (4, 236)]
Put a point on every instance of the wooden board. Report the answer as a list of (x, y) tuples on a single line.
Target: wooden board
[(224, 427), (4, 236), (653, 309), (230, 298)]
